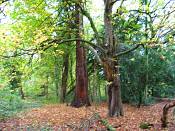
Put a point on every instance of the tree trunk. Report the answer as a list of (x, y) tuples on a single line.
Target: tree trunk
[(99, 91), (46, 87), (64, 77), (141, 89), (115, 107), (56, 75), (21, 92), (165, 113), (81, 90), (91, 91), (96, 84), (111, 67)]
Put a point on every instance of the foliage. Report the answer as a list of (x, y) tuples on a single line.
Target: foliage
[(133, 73), (109, 127), (145, 125), (10, 103)]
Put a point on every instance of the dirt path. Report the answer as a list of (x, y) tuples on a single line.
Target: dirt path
[(54, 117)]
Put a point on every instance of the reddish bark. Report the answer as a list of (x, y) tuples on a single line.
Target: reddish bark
[(81, 90)]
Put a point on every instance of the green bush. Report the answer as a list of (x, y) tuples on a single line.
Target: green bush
[(9, 103), (145, 125)]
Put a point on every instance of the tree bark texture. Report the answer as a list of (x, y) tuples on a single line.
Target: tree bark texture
[(165, 113), (109, 34), (81, 90), (115, 107), (111, 68)]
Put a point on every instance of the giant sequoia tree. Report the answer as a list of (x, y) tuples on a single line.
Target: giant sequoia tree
[(81, 89)]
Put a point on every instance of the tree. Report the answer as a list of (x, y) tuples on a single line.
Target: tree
[(15, 81), (81, 91), (65, 70), (111, 67)]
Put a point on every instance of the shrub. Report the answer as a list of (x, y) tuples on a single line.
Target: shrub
[(9, 103), (145, 125)]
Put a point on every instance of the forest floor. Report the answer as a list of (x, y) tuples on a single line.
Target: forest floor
[(55, 117)]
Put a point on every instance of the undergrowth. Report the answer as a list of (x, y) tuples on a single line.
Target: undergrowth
[(11, 104)]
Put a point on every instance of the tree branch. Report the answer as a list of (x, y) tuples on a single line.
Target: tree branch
[(97, 36), (43, 46), (58, 41), (3, 1), (88, 45), (128, 51), (16, 55), (113, 2)]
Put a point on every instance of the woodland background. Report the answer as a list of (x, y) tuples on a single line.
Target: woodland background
[(82, 52)]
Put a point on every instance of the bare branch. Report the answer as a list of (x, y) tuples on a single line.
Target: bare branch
[(49, 43), (166, 4), (114, 1), (58, 41), (97, 36), (89, 45), (128, 51), (95, 53), (16, 55), (3, 1)]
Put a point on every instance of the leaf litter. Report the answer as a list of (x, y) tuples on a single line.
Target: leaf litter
[(63, 117)]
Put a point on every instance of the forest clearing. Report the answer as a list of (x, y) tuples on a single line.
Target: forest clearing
[(87, 65)]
